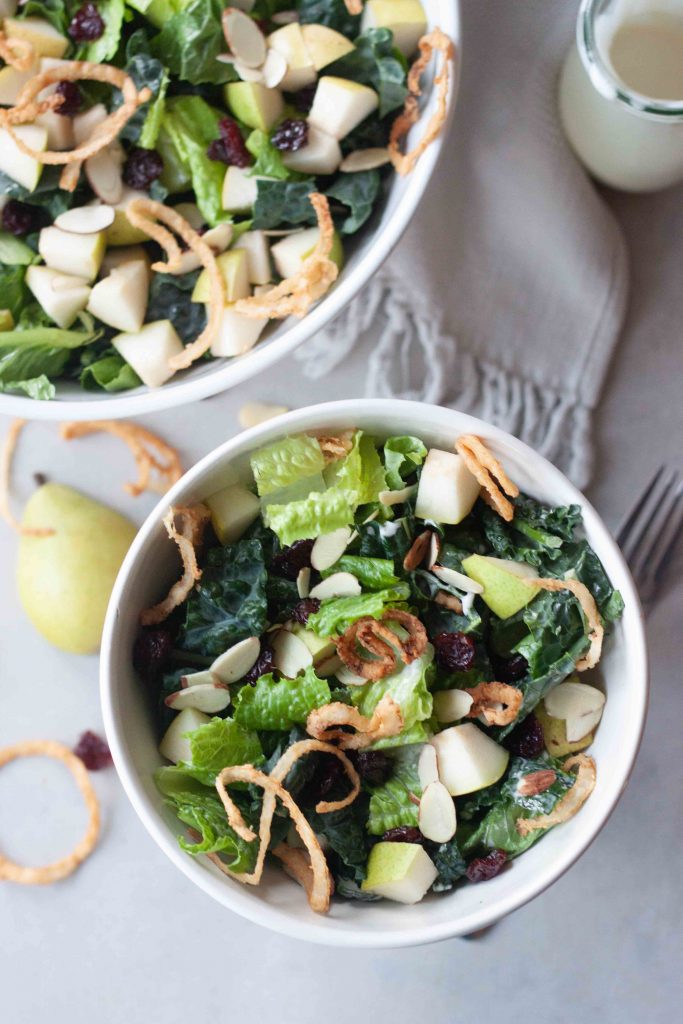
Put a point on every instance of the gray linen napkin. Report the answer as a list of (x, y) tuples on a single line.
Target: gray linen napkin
[(506, 296)]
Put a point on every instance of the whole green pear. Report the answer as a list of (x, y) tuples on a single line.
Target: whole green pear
[(65, 579)]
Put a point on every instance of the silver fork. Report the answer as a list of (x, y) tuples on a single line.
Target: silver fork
[(651, 529)]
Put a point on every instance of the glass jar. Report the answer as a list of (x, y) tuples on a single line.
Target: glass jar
[(621, 92)]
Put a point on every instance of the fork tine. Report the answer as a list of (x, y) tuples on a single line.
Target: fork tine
[(641, 524), (628, 523), (663, 541)]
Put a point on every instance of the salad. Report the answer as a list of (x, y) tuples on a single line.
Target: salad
[(174, 174), (372, 667)]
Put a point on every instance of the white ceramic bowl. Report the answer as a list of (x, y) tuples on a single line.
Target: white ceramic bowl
[(279, 903), (364, 257)]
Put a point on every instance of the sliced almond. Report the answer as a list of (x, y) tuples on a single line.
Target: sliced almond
[(207, 697), (284, 17), (365, 160), (434, 549), (274, 68), (450, 601), (198, 679), (244, 37), (290, 655), (457, 579), (452, 705), (225, 58), (348, 678), (252, 413), (536, 782), (397, 497), (436, 815), (246, 73), (427, 766), (237, 660), (339, 584), (86, 220), (329, 547), (303, 582), (418, 551), (103, 172)]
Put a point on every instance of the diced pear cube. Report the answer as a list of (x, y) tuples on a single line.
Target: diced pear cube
[(233, 268), (19, 166), (289, 41), (406, 19), (233, 510), (255, 244), (43, 37), (120, 299), (239, 190), (340, 104), (148, 351), (237, 333), (321, 154), (62, 296), (71, 253)]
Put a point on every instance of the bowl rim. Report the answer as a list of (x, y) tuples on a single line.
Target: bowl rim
[(233, 896), (231, 372)]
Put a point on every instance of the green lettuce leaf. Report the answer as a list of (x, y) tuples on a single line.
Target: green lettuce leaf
[(230, 603), (402, 456), (285, 462), (360, 473), (190, 41), (110, 373), (200, 808), (104, 48), (409, 688), (372, 573), (38, 388), (338, 613), (375, 62), (390, 804), (268, 158), (218, 744), (358, 192), (280, 704), (14, 252), (316, 514), (192, 125)]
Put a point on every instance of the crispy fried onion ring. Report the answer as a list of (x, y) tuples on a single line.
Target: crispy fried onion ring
[(303, 747), (486, 468), (150, 452), (295, 295), (186, 527), (486, 697), (297, 865), (386, 720), (12, 872), (434, 40), (381, 641), (8, 449), (320, 888), (18, 53), (571, 802), (589, 608), (334, 448), (27, 108), (140, 213)]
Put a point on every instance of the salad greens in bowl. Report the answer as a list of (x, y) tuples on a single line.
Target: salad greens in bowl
[(189, 189), (401, 662)]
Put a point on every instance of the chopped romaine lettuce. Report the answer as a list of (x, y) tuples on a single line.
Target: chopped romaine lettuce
[(372, 573), (285, 462), (218, 744), (338, 613), (402, 456), (409, 688), (280, 704), (390, 804)]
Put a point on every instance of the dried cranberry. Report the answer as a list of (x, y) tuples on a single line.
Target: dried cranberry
[(87, 24), (142, 167), (93, 751), (303, 99), (229, 148), (152, 651), (290, 561), (510, 670), (373, 766), (290, 136), (526, 739), (482, 868), (264, 664), (454, 651), (71, 99), (403, 834), (18, 218), (329, 775), (301, 612)]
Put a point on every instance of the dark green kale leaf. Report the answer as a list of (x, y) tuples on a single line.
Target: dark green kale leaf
[(190, 41), (358, 192), (283, 202), (170, 299), (450, 864), (332, 13), (535, 535), (375, 62), (347, 835), (230, 603), (386, 540)]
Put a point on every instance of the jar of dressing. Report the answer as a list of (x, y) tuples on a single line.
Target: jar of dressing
[(621, 92)]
